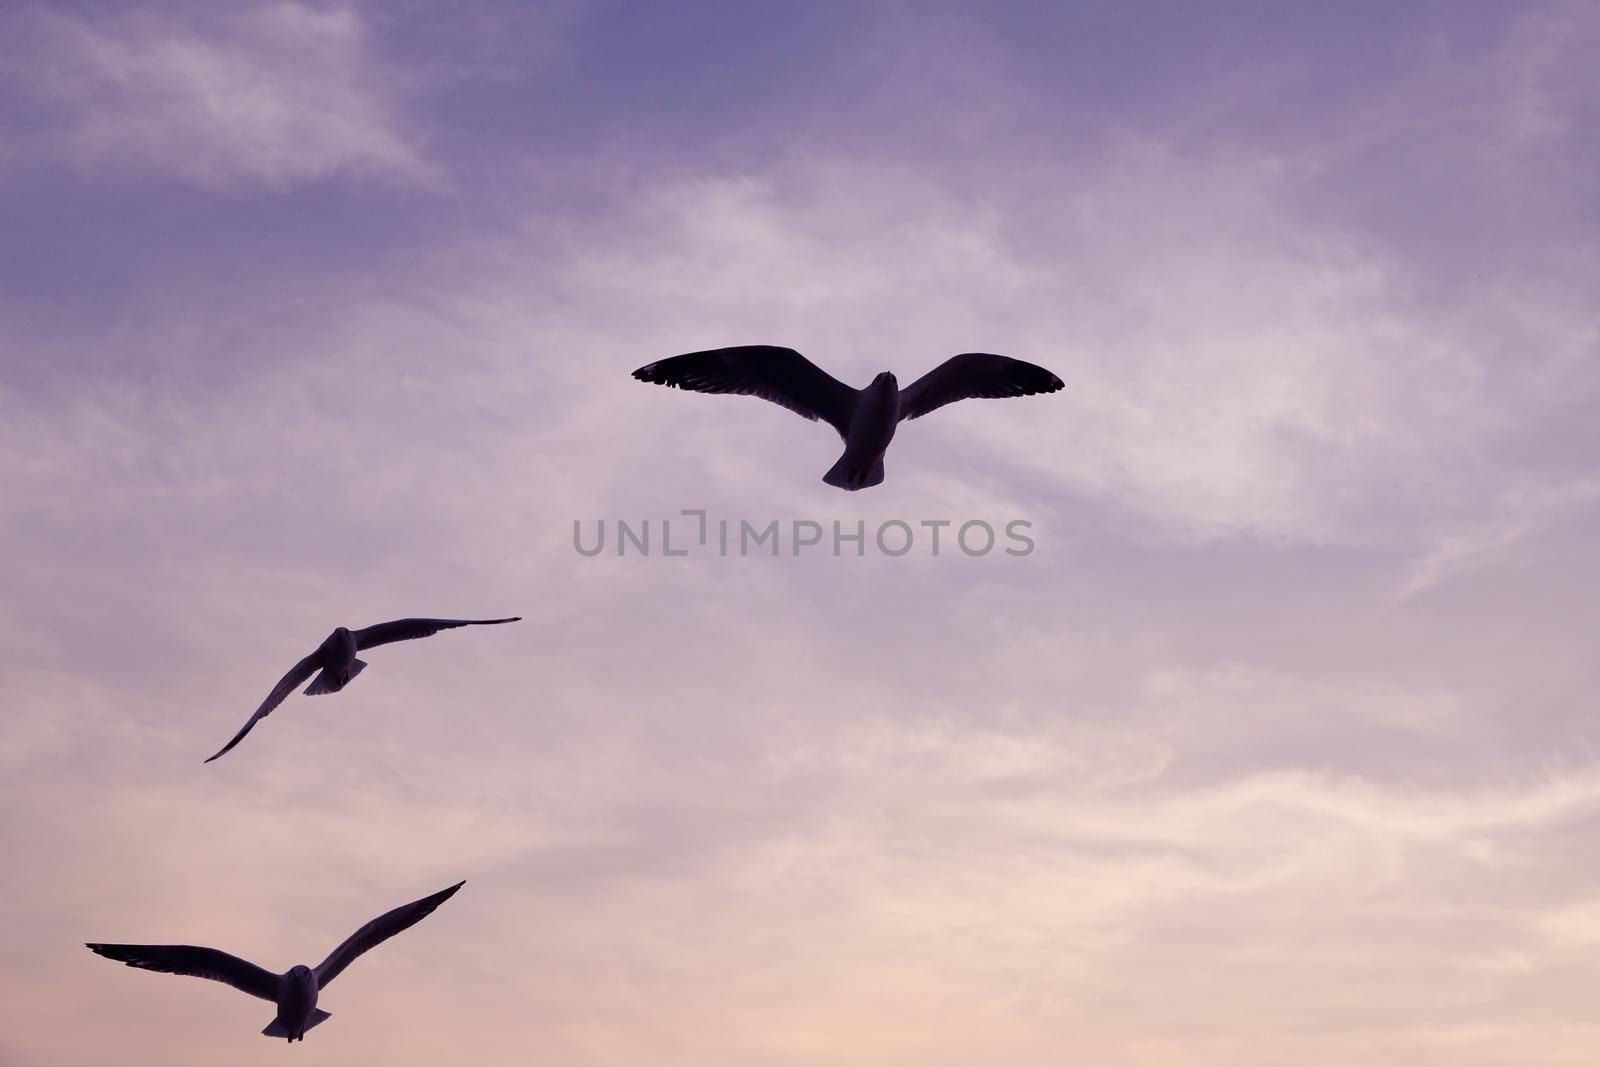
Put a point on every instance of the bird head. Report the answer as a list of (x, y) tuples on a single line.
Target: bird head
[(888, 377), (299, 970)]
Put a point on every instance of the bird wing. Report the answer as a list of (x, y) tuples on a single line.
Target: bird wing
[(378, 931), (209, 963), (974, 374), (780, 375), (286, 685), (386, 633)]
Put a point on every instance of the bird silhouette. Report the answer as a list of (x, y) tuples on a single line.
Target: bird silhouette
[(865, 418), (336, 659), (295, 990)]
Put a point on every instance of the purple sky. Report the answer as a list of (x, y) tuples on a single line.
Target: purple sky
[(1280, 748)]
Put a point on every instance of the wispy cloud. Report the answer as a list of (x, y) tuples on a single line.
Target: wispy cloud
[(1519, 515), (1235, 366), (285, 94)]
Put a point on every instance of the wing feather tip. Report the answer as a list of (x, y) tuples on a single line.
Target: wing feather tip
[(436, 899)]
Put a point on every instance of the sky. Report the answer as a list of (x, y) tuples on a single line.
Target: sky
[(1278, 747)]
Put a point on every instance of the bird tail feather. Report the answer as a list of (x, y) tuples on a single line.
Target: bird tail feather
[(275, 1027), (846, 476), (329, 683)]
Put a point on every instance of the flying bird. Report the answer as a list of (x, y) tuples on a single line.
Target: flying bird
[(864, 418), (336, 659), (295, 990)]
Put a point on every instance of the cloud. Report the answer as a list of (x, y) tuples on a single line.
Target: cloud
[(280, 95), (1234, 367), (1520, 515)]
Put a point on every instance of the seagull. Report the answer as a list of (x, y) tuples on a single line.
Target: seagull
[(294, 991), (864, 418), (336, 659)]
